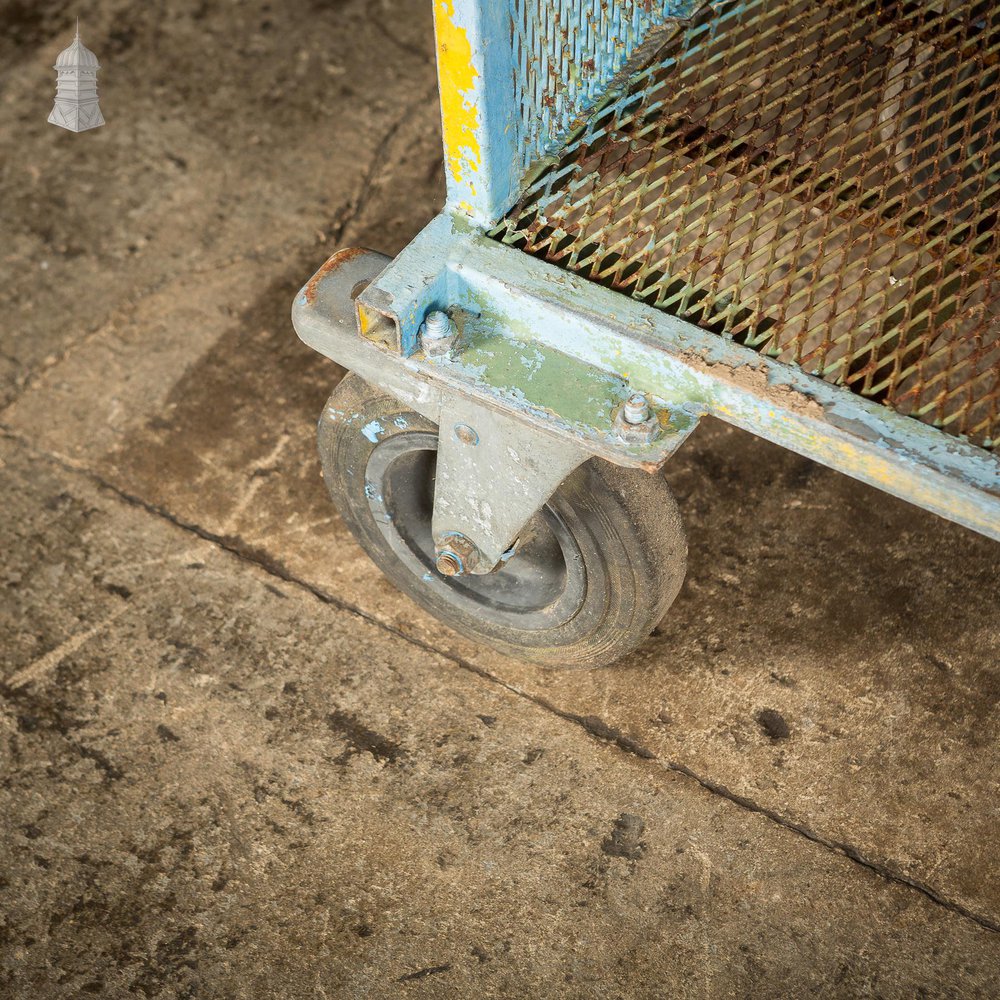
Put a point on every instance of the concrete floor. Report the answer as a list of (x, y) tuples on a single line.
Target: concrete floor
[(237, 763)]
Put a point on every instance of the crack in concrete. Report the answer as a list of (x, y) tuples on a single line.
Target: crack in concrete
[(599, 729), (836, 846), (592, 725), (416, 51), (432, 970), (351, 211), (348, 214)]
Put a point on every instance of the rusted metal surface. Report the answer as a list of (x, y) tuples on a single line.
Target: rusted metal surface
[(331, 265), (560, 355), (516, 75), (819, 182), (567, 53)]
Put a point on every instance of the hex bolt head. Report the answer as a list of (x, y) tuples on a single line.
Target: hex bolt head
[(636, 409)]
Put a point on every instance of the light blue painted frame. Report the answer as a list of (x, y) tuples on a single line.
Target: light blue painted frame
[(685, 370), (491, 141)]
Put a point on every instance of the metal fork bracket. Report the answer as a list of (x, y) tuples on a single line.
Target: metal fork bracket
[(515, 416)]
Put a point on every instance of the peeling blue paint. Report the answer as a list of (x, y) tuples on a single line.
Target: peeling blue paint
[(528, 302), (372, 430), (575, 58)]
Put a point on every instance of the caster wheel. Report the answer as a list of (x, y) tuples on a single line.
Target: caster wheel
[(594, 570)]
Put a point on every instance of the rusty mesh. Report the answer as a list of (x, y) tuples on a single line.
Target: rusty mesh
[(565, 52), (820, 182)]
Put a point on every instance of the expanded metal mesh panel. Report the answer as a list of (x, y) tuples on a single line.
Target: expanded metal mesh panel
[(566, 52), (819, 181)]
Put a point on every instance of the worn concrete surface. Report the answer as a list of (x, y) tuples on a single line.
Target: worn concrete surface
[(238, 763)]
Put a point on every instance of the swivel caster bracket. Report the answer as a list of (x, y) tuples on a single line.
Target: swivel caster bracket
[(514, 418)]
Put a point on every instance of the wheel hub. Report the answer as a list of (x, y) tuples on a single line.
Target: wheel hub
[(542, 584), (456, 555)]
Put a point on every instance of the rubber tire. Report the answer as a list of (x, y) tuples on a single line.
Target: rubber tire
[(625, 522)]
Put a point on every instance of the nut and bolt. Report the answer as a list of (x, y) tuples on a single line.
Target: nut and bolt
[(636, 422), (448, 564), (437, 324), (456, 555), (437, 333), (636, 409)]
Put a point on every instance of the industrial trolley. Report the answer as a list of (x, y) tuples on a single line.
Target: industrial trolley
[(781, 213)]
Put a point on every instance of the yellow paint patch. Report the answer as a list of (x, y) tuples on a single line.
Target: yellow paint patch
[(456, 78), (893, 477), (364, 322)]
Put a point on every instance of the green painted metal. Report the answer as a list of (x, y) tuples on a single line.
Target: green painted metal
[(688, 371)]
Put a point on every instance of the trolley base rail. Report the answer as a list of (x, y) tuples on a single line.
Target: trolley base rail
[(553, 357)]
